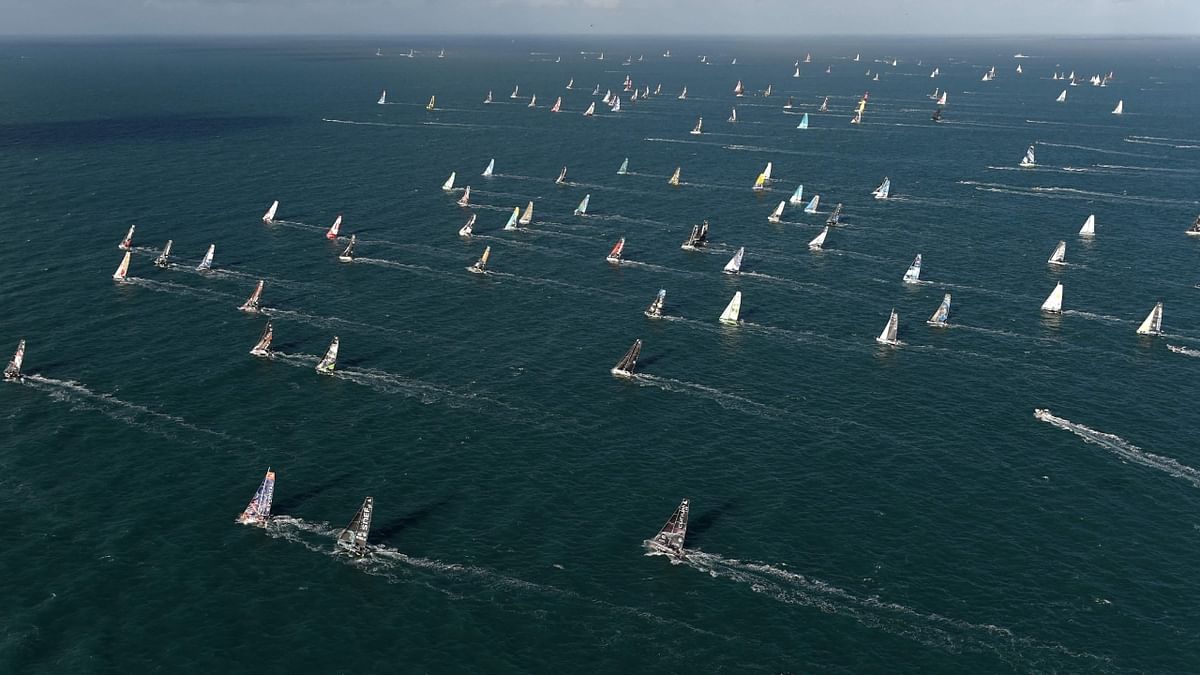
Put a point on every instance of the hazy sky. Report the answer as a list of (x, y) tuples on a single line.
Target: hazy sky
[(607, 17)]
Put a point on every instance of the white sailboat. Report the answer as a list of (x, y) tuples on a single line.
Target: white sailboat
[(382, 98), (942, 100), (616, 106), (767, 91), (449, 184), (557, 105), (1089, 227), (1062, 98), (803, 122), (813, 204), (487, 173), (738, 90), (127, 243), (432, 105), (734, 266), (269, 216), (777, 214), (1059, 255), (347, 255), (888, 336), (326, 365), (516, 92), (164, 259), (628, 363), (913, 275), (1019, 71), (683, 94), (699, 128), (465, 200), (732, 310), (13, 370), (123, 268), (527, 217), (824, 105), (935, 72), (818, 242), (532, 101), (674, 179), (596, 91), (624, 170), (884, 189), (206, 263), (796, 73), (254, 302), (942, 314), (258, 512), (468, 228), (488, 99), (335, 228), (1153, 323), (562, 177), (1053, 303), (480, 266), (1120, 109), (581, 210), (570, 84), (797, 197), (263, 346), (1028, 160), (654, 311), (512, 220), (614, 256), (732, 115), (591, 110)]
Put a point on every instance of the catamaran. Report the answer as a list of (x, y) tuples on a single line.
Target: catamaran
[(935, 73), (263, 346), (570, 84), (382, 98), (760, 183), (697, 239), (1053, 303), (557, 105), (654, 311), (732, 115), (1153, 323), (591, 110), (336, 227), (734, 266), (348, 254), (835, 217), (1195, 228), (730, 315), (581, 210), (164, 259), (683, 94), (767, 91), (777, 214), (913, 275), (512, 220), (465, 230), (942, 314), (127, 242), (123, 268), (626, 365), (516, 92), (432, 103), (796, 72), (614, 256), (884, 189), (803, 122), (206, 263), (1089, 227), (738, 90), (797, 197), (818, 242), (326, 365), (1120, 109), (527, 217), (674, 180), (1028, 160), (487, 173), (813, 204), (480, 266), (465, 200), (13, 370), (254, 302), (488, 98), (624, 170), (699, 128), (1062, 98), (1059, 255), (532, 101), (888, 336), (669, 540), (449, 184), (353, 539), (562, 177), (258, 512)]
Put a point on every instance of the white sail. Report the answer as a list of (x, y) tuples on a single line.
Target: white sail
[(432, 105), (1062, 98), (818, 242), (206, 263), (734, 265), (1019, 71), (654, 311), (347, 255), (1028, 159), (699, 128), (13, 370), (127, 242), (797, 197), (942, 100), (488, 98), (532, 101), (329, 362), (884, 189), (562, 177), (935, 72), (813, 204), (796, 73), (516, 92), (767, 171), (777, 214), (335, 228), (683, 94), (465, 200), (164, 258), (571, 84), (382, 97), (1120, 109), (557, 105), (942, 314), (1089, 227), (449, 184), (512, 220), (1059, 255), (1153, 323), (730, 315), (269, 216), (468, 228), (123, 268), (913, 275), (591, 110), (254, 302), (803, 122), (888, 336), (1053, 301), (616, 107), (624, 167), (527, 217), (674, 179), (581, 210), (487, 173), (732, 115)]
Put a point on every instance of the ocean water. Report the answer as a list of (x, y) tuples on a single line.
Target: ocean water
[(855, 508)]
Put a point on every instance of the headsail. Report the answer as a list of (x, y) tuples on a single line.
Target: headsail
[(655, 309), (941, 314), (480, 266), (888, 336), (625, 366), (913, 275), (353, 539), (252, 303), (123, 268), (562, 177), (624, 167), (258, 512), (819, 241), (884, 189), (1059, 255), (1054, 301), (777, 214), (674, 180), (329, 362), (1153, 323), (1089, 227), (614, 256), (797, 197), (669, 539), (734, 265), (164, 258), (699, 128), (803, 122), (465, 230), (335, 228), (263, 346), (348, 254), (732, 310), (487, 173), (527, 217), (512, 220), (206, 263), (1028, 159), (13, 370), (127, 242), (449, 184), (813, 204), (581, 210), (382, 97)]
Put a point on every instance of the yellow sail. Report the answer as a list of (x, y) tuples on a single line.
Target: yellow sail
[(483, 259), (760, 182), (862, 105)]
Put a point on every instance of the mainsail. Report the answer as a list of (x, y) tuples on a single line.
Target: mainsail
[(13, 370), (581, 210), (206, 263), (655, 309), (480, 266), (252, 303), (941, 314), (835, 217), (562, 177), (819, 241), (487, 173), (465, 200), (803, 122), (512, 220), (263, 346), (767, 172), (1059, 255), (614, 256), (327, 364), (625, 366), (382, 97), (591, 110), (669, 539), (527, 217), (465, 230), (674, 180), (1062, 98), (348, 254), (730, 315), (127, 242), (258, 512), (699, 128), (164, 258), (760, 183), (888, 336), (1089, 227), (1195, 228), (449, 184), (353, 539), (123, 268), (335, 228), (813, 204), (1120, 109), (913, 275), (884, 189), (1153, 323), (732, 115), (797, 197), (557, 105), (734, 265), (1028, 159), (1053, 301), (432, 103), (777, 214), (624, 167)]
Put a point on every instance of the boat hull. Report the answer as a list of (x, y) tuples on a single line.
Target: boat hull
[(345, 259)]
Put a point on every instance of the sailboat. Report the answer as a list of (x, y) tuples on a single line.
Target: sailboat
[(734, 266), (828, 70), (127, 242), (512, 220), (796, 73), (480, 266), (654, 311), (258, 512), (557, 105), (683, 94), (13, 370), (698, 129), (581, 210), (767, 171), (626, 365), (516, 92), (532, 101), (570, 84), (674, 179), (808, 58), (206, 263), (614, 256), (789, 104), (336, 227), (813, 204), (465, 200), (857, 119), (164, 259), (1053, 303), (465, 230), (888, 336), (1059, 255), (657, 89), (487, 173), (253, 303), (697, 238), (803, 122), (329, 361), (937, 92), (488, 99), (1153, 323), (941, 314), (1019, 71), (348, 254), (1089, 227), (739, 90), (884, 189), (442, 54), (942, 100), (913, 274), (382, 98), (777, 214), (669, 540), (449, 184), (123, 268), (527, 217), (767, 92), (835, 217), (937, 115), (1062, 98), (616, 106), (1195, 228), (732, 115), (353, 539), (562, 177), (624, 170), (857, 57), (935, 72), (818, 242), (797, 197), (760, 183), (824, 105), (263, 346), (1120, 109), (432, 103), (730, 315), (591, 110), (1028, 160), (410, 54)]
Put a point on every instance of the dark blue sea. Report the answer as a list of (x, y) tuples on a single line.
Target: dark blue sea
[(855, 507)]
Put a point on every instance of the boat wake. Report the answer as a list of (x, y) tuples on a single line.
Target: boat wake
[(180, 289), (1179, 143), (928, 628), (327, 321), (1097, 317), (660, 268), (721, 398), (1091, 149), (391, 383), (419, 269), (1070, 193), (539, 281), (1124, 449), (1184, 350)]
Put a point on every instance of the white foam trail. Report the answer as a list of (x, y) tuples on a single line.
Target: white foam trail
[(1092, 149), (327, 321), (392, 383), (1184, 350), (721, 398), (660, 268), (1097, 317), (1124, 449), (552, 282), (180, 289)]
